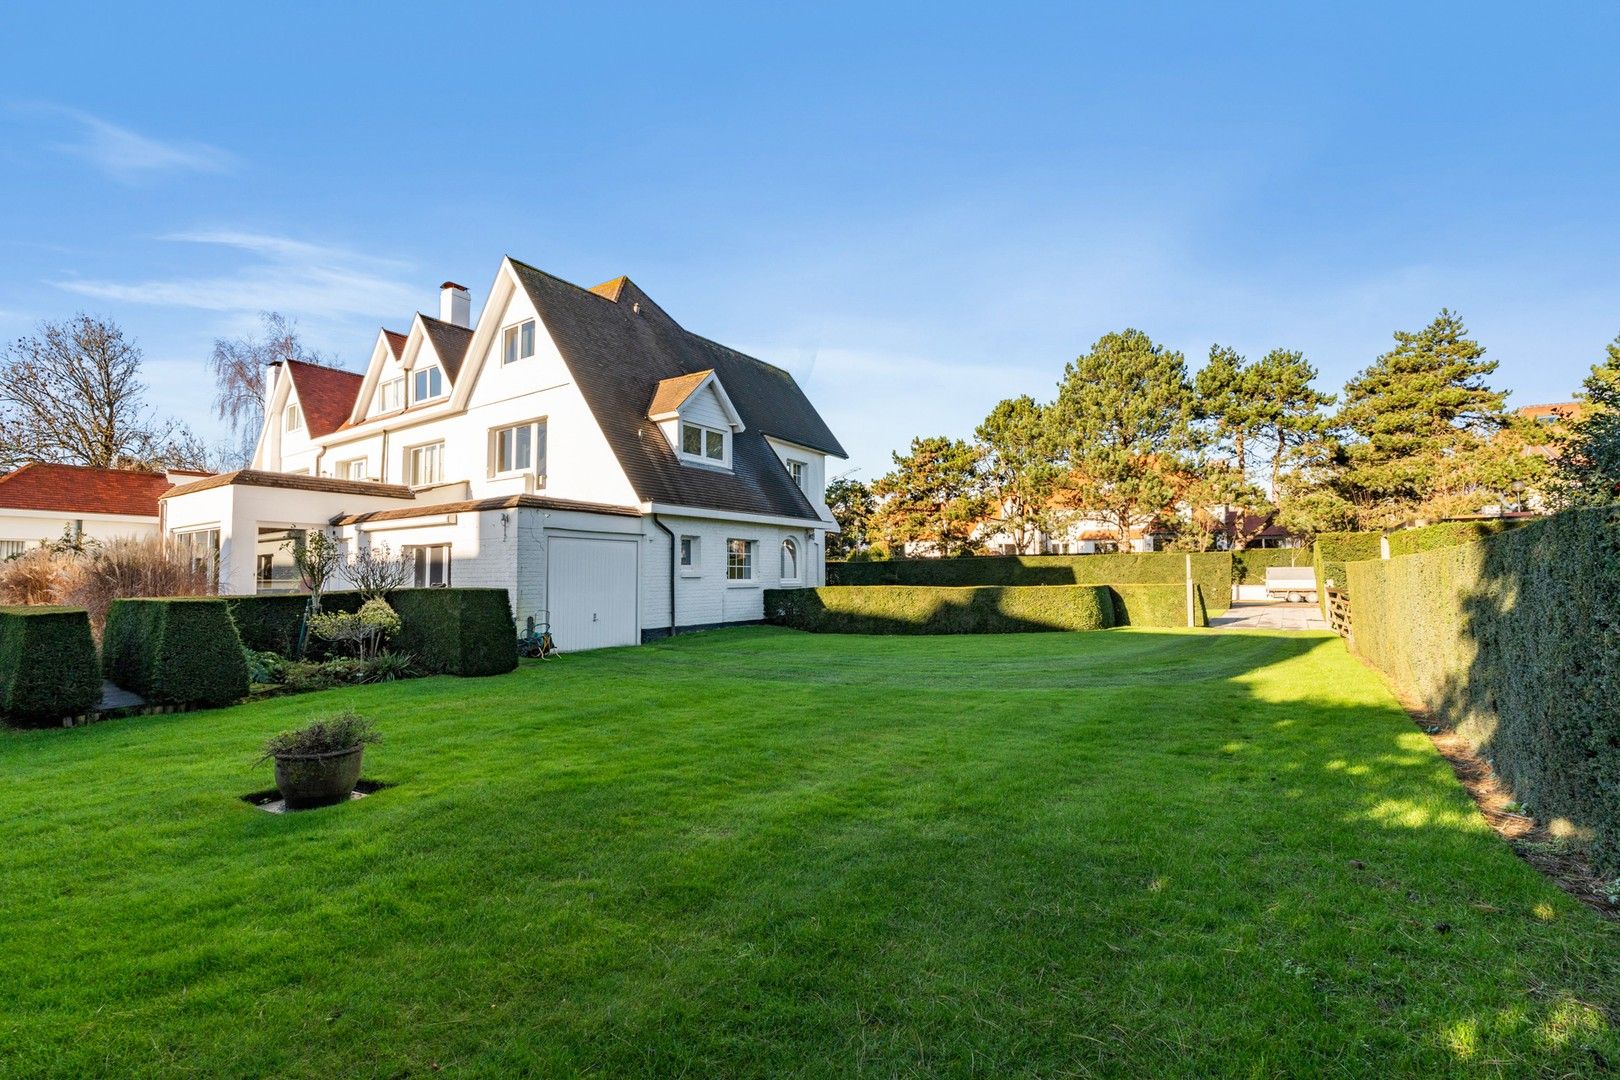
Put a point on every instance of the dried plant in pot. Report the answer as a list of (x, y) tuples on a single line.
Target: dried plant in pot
[(319, 763)]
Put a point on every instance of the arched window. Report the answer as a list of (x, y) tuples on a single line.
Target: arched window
[(790, 561)]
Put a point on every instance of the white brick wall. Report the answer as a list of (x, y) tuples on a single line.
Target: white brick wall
[(707, 596)]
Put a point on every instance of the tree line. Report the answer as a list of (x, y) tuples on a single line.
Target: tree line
[(1135, 441), (72, 393)]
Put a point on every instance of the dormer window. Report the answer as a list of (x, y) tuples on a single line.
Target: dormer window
[(429, 384), (517, 342), (293, 418), (703, 443), (800, 471), (391, 395)]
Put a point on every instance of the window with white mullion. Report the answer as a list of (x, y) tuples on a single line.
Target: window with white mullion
[(425, 464), (517, 342), (519, 449), (703, 443)]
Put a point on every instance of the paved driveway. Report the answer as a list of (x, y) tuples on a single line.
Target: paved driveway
[(1271, 615)]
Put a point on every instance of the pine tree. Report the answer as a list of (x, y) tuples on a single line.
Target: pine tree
[(1229, 403), (1289, 408), (1589, 467), (933, 498), (1416, 420), (1019, 467), (1123, 416)]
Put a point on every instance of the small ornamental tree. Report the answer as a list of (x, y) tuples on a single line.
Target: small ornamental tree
[(316, 555), (376, 571)]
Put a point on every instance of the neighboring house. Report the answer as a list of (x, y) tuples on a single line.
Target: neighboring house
[(1553, 418), (41, 503), (577, 447)]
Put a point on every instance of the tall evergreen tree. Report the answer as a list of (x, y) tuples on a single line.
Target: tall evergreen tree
[(1416, 420), (1589, 467), (933, 498), (1288, 407), (1229, 404), (1122, 417), (852, 506), (1019, 467)]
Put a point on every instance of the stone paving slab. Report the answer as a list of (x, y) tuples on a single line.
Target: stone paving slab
[(1270, 616)]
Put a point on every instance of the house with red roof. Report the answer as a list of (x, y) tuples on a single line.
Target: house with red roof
[(620, 476), (42, 502)]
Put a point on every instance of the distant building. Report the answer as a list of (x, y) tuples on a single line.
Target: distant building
[(41, 503)]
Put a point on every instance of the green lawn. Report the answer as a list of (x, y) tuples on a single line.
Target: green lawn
[(763, 853)]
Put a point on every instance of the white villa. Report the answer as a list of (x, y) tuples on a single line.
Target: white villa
[(615, 473)]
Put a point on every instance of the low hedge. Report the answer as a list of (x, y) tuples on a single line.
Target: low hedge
[(1447, 534), (175, 650), (456, 631), (1515, 641), (269, 622), (1249, 566), (923, 609), (1156, 605), (48, 666), (1212, 571)]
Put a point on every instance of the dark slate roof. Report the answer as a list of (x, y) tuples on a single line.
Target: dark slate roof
[(618, 356), (450, 342)]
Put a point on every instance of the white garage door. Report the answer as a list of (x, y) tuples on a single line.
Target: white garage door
[(591, 588)]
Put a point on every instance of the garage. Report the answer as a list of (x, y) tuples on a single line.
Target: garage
[(591, 586)]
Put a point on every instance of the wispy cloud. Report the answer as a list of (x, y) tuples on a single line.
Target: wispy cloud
[(127, 155), (299, 277)]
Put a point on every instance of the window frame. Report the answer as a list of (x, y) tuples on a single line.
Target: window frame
[(411, 453), (690, 554), (799, 472), (292, 417), (537, 450), (512, 342), (749, 561), (186, 541), (421, 558), (21, 548), (790, 545), (378, 404), (434, 375), (703, 456), (347, 466)]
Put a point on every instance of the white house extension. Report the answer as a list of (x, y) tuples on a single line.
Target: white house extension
[(575, 446)]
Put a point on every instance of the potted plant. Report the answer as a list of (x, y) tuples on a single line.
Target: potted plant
[(319, 763)]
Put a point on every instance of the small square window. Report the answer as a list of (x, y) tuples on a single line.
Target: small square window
[(691, 554), (294, 417), (800, 473), (429, 384), (740, 560), (517, 342), (691, 440), (714, 445), (430, 564)]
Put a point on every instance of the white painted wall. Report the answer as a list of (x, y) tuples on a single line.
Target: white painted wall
[(36, 527)]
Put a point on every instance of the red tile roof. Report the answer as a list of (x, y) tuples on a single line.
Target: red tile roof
[(326, 395), (78, 489), (396, 342)]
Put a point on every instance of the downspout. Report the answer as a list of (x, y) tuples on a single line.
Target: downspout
[(674, 556)]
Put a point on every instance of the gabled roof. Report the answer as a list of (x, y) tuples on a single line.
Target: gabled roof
[(672, 393), (396, 342), (449, 342), (80, 489), (610, 289), (325, 394), (621, 348)]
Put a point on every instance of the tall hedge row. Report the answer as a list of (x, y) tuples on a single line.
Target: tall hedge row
[(1212, 572), (269, 622), (1157, 605), (928, 609), (175, 651), (1446, 534), (457, 631), (1516, 642), (48, 666)]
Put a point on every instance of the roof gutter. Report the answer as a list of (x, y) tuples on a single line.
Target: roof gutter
[(674, 557)]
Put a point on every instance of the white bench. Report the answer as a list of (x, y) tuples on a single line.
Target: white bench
[(1291, 583)]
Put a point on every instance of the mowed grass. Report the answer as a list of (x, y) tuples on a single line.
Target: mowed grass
[(761, 853)]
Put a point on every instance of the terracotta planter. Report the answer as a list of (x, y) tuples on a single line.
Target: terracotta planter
[(308, 780)]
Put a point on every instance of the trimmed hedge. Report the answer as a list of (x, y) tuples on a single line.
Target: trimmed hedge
[(1446, 534), (1249, 566), (48, 666), (269, 622), (1212, 572), (1515, 641), (1333, 551), (175, 651), (924, 609), (1156, 605), (457, 631)]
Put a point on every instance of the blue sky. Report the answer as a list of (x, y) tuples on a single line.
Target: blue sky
[(918, 210)]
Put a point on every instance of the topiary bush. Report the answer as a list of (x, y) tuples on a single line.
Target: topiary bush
[(903, 609), (1514, 641), (1212, 572), (456, 631), (175, 651), (48, 666)]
